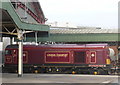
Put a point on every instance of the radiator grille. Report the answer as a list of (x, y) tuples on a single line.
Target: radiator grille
[(79, 57)]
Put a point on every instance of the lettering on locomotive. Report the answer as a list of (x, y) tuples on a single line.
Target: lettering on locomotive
[(57, 55)]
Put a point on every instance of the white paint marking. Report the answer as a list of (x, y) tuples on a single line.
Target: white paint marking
[(106, 82)]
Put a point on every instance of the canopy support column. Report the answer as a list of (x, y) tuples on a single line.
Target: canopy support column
[(20, 57)]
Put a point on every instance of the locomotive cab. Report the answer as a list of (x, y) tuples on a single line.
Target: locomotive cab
[(8, 56)]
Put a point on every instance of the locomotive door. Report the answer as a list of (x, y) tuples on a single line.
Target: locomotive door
[(25, 56), (15, 58), (90, 57)]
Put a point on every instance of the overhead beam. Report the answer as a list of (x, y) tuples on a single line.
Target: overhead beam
[(88, 37)]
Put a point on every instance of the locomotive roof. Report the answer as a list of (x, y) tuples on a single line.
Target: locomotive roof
[(12, 46), (60, 45)]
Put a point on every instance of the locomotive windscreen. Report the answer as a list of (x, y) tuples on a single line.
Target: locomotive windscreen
[(8, 52), (79, 56)]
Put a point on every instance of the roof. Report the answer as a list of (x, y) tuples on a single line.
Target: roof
[(61, 46), (80, 30), (38, 10)]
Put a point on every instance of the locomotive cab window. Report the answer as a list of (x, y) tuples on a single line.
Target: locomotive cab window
[(8, 52)]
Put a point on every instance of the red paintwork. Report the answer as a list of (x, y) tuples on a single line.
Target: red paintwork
[(45, 54)]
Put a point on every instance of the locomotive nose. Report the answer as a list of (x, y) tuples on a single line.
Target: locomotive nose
[(112, 54)]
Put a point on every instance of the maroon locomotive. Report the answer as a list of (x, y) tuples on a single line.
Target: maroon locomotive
[(60, 58)]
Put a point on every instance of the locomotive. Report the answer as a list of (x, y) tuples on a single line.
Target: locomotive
[(60, 58)]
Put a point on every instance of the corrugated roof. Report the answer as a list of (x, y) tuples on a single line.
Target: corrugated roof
[(79, 30)]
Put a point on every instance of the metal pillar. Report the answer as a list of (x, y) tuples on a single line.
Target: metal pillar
[(20, 57)]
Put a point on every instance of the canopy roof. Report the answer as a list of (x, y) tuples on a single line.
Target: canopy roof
[(11, 22)]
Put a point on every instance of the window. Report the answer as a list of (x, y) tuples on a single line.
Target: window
[(8, 52)]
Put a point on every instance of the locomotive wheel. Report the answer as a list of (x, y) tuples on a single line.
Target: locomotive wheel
[(36, 71), (95, 73), (73, 72)]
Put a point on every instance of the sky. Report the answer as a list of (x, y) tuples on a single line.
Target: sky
[(93, 13)]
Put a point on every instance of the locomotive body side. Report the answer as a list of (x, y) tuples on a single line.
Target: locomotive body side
[(60, 58)]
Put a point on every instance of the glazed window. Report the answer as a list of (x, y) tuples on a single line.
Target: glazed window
[(8, 52)]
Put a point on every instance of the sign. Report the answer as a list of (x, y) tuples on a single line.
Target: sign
[(97, 65), (57, 57)]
